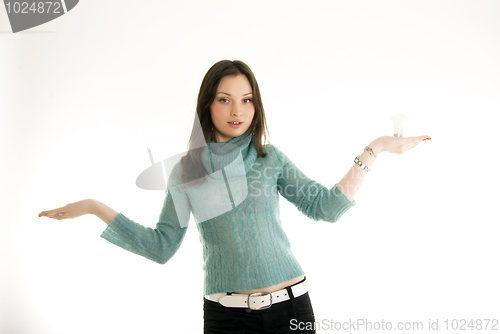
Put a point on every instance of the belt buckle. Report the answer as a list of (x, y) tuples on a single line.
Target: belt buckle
[(260, 294)]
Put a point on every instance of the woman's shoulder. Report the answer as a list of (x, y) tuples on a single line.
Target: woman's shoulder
[(274, 152), (175, 176), (270, 148)]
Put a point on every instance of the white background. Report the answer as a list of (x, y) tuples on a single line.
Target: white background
[(83, 97)]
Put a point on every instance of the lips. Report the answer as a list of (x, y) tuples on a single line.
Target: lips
[(235, 126)]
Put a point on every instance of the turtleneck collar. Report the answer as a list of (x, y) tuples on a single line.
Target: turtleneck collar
[(235, 156)]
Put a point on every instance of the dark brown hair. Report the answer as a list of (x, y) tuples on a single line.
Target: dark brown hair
[(191, 163)]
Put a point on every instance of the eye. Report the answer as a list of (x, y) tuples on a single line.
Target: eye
[(247, 100), (223, 100)]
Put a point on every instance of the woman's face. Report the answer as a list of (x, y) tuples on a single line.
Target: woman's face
[(233, 102)]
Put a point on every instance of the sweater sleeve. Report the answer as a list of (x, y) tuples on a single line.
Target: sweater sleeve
[(158, 244), (310, 197)]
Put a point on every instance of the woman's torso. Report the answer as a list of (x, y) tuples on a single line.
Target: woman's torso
[(274, 287)]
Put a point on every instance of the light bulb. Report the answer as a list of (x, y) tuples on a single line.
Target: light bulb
[(399, 123)]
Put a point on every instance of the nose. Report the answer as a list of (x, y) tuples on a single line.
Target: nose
[(236, 110)]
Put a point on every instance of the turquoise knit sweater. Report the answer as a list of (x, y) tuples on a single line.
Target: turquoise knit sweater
[(237, 215)]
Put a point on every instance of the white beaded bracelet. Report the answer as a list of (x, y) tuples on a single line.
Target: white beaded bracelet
[(361, 164)]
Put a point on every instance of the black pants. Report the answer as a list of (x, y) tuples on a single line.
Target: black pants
[(292, 316)]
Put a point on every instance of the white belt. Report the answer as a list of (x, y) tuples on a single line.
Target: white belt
[(258, 300)]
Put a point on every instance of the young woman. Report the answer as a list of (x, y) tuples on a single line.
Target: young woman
[(230, 180)]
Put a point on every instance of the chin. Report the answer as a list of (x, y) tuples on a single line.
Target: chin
[(237, 132)]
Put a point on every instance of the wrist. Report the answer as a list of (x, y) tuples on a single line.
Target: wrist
[(91, 206), (377, 146)]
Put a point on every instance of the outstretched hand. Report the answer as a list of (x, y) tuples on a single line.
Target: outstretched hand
[(71, 210), (400, 145)]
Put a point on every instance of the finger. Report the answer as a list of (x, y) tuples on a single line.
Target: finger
[(59, 215), (44, 214), (56, 214)]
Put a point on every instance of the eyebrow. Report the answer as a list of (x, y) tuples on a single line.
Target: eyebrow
[(230, 94)]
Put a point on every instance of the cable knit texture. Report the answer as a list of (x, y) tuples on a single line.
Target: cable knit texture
[(237, 215)]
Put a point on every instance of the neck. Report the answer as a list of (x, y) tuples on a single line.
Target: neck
[(218, 155)]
